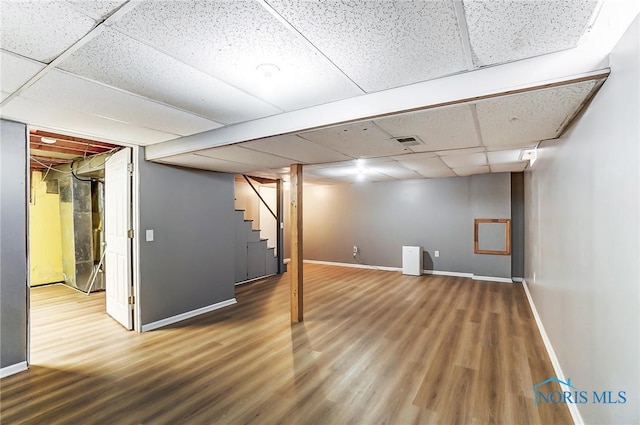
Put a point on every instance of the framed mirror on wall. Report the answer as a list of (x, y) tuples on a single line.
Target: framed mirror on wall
[(492, 236)]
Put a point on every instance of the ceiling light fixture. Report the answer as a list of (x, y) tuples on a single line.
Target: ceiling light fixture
[(48, 140), (268, 70)]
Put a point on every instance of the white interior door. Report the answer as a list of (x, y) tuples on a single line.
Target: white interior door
[(117, 222)]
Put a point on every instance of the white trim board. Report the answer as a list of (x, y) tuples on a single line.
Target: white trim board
[(13, 369), (189, 314), (399, 269), (573, 409)]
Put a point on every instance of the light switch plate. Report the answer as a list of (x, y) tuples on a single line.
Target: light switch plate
[(149, 235), (437, 254)]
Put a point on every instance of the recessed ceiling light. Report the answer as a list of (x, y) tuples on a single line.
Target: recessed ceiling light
[(48, 140), (268, 70)]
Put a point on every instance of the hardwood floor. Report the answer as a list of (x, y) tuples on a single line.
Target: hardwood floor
[(375, 348)]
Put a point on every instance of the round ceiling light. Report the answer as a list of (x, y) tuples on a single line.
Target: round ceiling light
[(268, 70)]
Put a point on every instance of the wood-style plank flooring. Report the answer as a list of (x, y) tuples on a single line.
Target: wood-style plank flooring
[(375, 348)]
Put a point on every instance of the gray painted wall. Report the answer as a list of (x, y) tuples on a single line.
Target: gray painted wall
[(517, 225), (379, 218), (191, 262), (13, 245), (583, 241)]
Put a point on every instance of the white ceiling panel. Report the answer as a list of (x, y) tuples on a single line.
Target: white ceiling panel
[(531, 116), (41, 30), (64, 90), (439, 129), (433, 173), (509, 168), (87, 125), (381, 44), (194, 160), (235, 153), (504, 157), (420, 155), (4, 95), (467, 151), (297, 149), (468, 171), (115, 59), (522, 145), (459, 161), (507, 30), (15, 71), (363, 140), (230, 39), (97, 10), (395, 170)]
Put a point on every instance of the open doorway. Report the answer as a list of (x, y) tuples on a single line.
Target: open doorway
[(80, 221)]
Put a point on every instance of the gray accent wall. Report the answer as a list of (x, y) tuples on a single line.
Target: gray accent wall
[(517, 225), (380, 218), (582, 253), (191, 262), (13, 243)]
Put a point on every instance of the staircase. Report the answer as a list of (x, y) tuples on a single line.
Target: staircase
[(254, 258)]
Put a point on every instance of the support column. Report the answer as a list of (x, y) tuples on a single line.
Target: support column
[(280, 225), (295, 192)]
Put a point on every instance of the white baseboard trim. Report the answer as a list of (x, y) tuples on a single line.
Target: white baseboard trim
[(189, 314), (493, 279), (254, 279), (13, 369), (443, 273), (573, 409), (399, 269), (355, 266), (517, 279)]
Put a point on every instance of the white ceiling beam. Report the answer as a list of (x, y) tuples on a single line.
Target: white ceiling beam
[(521, 76), (464, 33)]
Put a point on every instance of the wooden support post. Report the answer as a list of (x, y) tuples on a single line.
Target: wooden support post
[(295, 192)]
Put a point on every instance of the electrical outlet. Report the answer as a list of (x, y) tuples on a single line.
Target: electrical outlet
[(355, 250), (436, 254)]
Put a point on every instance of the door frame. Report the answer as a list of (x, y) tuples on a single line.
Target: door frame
[(135, 223)]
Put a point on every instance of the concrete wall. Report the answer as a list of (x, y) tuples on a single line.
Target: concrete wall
[(583, 242), (13, 243), (190, 263), (379, 218)]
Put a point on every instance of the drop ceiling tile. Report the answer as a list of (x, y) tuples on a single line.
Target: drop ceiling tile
[(97, 10), (244, 36), (515, 167), (236, 153), (504, 157), (521, 145), (420, 155), (381, 44), (297, 149), (64, 90), (472, 160), (428, 167), (439, 129), (41, 30), (507, 30), (396, 170), (460, 151), (57, 118), (113, 58), (469, 171), (529, 117), (360, 140), (4, 95), (15, 71), (193, 160), (434, 173)]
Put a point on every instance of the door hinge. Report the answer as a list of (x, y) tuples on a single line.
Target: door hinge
[(132, 299), (130, 167), (130, 233)]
